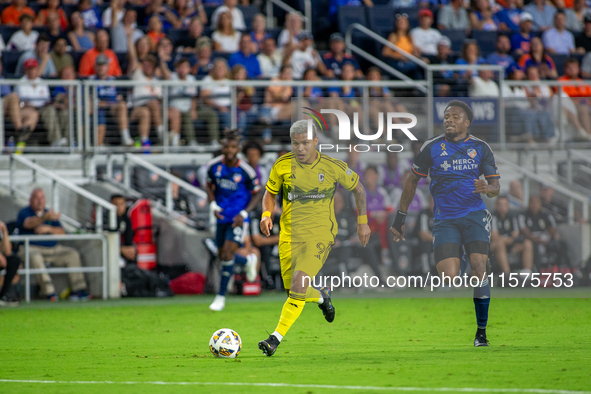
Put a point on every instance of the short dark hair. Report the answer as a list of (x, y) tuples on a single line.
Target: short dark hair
[(371, 167), (25, 16), (231, 135), (43, 37), (465, 107), (181, 61), (572, 60), (116, 195), (253, 145)]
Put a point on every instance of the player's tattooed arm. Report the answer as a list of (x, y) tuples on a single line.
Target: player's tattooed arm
[(409, 191), (492, 189), (363, 230)]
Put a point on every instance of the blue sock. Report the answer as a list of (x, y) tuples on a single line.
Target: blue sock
[(240, 260), (227, 271), (481, 303)]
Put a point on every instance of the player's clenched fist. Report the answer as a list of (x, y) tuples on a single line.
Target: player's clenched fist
[(480, 186), (363, 232), (266, 225)]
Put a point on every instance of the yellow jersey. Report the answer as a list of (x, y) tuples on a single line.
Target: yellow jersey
[(308, 191)]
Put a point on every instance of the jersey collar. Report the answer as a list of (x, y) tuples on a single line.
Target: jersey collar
[(458, 142), (313, 164), (224, 161)]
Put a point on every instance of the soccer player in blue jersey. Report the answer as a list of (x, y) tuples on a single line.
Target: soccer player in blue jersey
[(455, 160), (234, 190)]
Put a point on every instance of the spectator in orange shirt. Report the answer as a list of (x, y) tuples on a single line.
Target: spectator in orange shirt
[(52, 6), (155, 34), (12, 14), (579, 94), (86, 67)]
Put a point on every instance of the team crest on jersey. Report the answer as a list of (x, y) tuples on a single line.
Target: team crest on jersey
[(472, 152), (237, 177), (218, 171), (320, 177)]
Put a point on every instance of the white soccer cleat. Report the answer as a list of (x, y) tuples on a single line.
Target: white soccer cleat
[(218, 304), (251, 267)]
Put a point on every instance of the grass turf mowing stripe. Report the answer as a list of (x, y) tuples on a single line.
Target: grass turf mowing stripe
[(311, 386)]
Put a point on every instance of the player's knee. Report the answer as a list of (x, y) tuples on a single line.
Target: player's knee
[(528, 245)]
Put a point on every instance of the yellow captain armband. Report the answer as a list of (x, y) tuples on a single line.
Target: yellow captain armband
[(362, 219), (266, 214)]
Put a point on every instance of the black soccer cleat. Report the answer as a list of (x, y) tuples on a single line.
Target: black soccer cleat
[(269, 345), (480, 339), (327, 308)]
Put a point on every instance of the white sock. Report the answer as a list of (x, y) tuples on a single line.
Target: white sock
[(144, 139), (125, 134), (278, 336), (176, 139), (160, 130), (320, 300)]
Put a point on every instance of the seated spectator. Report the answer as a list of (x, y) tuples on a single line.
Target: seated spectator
[(246, 57), (61, 101), (552, 205), (277, 104), (483, 85), (36, 219), (381, 100), (79, 37), (9, 262), (333, 7), (470, 56), (60, 56), (482, 18), (86, 67), (520, 41), (51, 7), (243, 96), (305, 56), (11, 15), (184, 99), (344, 99), (182, 12), (124, 227), (90, 14), (270, 58), (425, 37), (235, 14), (41, 55), (288, 37), (505, 238), (542, 13), (509, 16), (110, 103), (24, 39), (259, 32), (501, 55), (120, 29), (538, 57), (574, 16), (114, 14), (540, 228), (393, 173), (583, 40), (312, 92), (188, 43), (165, 51), (225, 38), (217, 96), (204, 63), (580, 95), (402, 39), (453, 16), (558, 40), (155, 33), (443, 80), (142, 48), (54, 30), (336, 57)]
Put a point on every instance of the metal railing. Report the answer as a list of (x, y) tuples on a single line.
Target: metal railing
[(28, 271), (306, 18)]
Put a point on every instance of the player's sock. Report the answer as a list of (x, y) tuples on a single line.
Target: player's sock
[(240, 260), (227, 271), (278, 336), (313, 295), (482, 302), (291, 311)]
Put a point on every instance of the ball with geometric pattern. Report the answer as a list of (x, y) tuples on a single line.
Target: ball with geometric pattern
[(225, 343)]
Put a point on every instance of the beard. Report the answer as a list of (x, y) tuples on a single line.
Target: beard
[(451, 135)]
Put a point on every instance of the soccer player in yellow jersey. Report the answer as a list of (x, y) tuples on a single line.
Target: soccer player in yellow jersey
[(308, 180)]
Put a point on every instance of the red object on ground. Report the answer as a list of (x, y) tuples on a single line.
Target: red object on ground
[(189, 283)]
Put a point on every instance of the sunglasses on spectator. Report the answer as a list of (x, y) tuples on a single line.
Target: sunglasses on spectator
[(400, 16)]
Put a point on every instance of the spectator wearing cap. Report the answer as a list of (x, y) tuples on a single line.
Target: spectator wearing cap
[(35, 96), (188, 43), (258, 33), (402, 39), (501, 55), (542, 13), (204, 62), (41, 54), (558, 40), (119, 31), (24, 39), (110, 102), (80, 38), (236, 16), (305, 56), (60, 56), (583, 40), (53, 6), (443, 79), (425, 37), (453, 16), (336, 57), (509, 16), (520, 40), (225, 37), (86, 67), (270, 58), (11, 15), (246, 57)]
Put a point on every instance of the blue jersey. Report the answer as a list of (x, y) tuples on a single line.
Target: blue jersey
[(453, 167), (234, 186), (106, 93)]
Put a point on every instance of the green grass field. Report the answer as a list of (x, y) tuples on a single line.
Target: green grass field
[(376, 344)]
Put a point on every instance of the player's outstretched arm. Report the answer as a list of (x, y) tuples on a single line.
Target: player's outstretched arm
[(408, 193), (363, 230), (268, 206), (492, 189)]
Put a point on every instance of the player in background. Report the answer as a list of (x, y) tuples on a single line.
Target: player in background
[(455, 160), (233, 191), (308, 227)]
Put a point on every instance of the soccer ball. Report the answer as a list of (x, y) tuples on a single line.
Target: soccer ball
[(225, 343)]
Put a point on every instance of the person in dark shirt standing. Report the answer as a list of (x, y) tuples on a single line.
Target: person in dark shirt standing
[(128, 251), (583, 40), (10, 262)]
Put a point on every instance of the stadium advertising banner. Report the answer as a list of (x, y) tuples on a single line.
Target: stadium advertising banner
[(485, 110)]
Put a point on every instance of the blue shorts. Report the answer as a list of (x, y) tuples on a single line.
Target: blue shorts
[(475, 226), (224, 231), (101, 116)]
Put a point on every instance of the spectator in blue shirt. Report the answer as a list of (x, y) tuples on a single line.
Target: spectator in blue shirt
[(37, 220), (509, 16), (558, 40), (336, 57), (245, 57), (470, 56), (91, 15), (520, 40), (501, 56)]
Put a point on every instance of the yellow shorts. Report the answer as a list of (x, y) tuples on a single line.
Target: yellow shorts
[(308, 257)]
